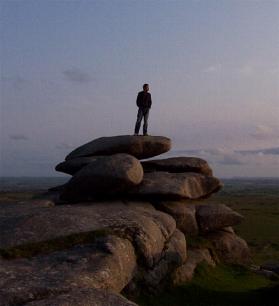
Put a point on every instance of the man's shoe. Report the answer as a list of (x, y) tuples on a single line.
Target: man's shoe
[(145, 134), (136, 134)]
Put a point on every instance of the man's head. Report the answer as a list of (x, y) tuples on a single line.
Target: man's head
[(145, 87)]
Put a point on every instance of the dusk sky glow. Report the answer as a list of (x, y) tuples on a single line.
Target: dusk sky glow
[(71, 70)]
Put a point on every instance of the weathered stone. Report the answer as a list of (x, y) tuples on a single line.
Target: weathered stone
[(185, 272), (22, 208), (141, 205), (173, 256), (106, 175), (184, 215), (228, 229), (176, 185), (72, 166), (84, 297), (178, 165), (109, 263), (212, 217), (140, 147), (147, 229), (229, 247)]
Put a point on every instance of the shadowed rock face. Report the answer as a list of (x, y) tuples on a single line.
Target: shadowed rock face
[(107, 174), (139, 146), (229, 247), (84, 297), (136, 229), (109, 263), (147, 229), (178, 165), (183, 213), (72, 166), (176, 185), (173, 256), (215, 217), (185, 272)]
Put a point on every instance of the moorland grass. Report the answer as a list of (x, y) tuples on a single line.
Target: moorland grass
[(220, 286)]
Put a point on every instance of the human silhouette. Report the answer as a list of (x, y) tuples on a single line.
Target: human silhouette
[(144, 104)]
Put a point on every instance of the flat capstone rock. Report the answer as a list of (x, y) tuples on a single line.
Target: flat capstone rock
[(139, 146)]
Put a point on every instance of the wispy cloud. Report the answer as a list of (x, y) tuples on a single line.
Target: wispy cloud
[(264, 132), (76, 75), (212, 68), (16, 81), (64, 146), (223, 156), (269, 151), (19, 137), (246, 70)]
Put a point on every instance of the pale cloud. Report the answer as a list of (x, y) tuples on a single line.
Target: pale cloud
[(270, 151), (231, 159), (225, 156), (64, 146), (17, 81), (212, 68), (76, 75), (246, 70), (19, 137), (264, 132)]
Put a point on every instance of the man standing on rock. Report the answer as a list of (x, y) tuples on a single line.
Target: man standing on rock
[(144, 104)]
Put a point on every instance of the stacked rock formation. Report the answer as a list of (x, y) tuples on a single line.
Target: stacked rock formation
[(125, 225), (111, 166)]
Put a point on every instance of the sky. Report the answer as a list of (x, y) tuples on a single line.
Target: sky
[(71, 70)]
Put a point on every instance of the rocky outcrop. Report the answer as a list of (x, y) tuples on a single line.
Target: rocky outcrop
[(215, 217), (72, 166), (185, 272), (178, 165), (109, 263), (183, 213), (176, 185), (147, 229), (119, 229), (229, 247), (84, 297), (105, 175), (140, 147)]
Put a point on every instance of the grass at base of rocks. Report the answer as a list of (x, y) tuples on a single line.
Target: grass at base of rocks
[(44, 247), (220, 286)]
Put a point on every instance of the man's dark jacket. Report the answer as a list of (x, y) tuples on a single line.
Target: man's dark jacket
[(144, 100)]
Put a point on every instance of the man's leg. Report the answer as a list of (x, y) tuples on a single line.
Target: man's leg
[(145, 122), (139, 118)]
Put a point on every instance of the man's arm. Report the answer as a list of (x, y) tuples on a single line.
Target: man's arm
[(138, 100), (150, 101)]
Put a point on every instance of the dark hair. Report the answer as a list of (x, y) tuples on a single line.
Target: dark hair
[(144, 85)]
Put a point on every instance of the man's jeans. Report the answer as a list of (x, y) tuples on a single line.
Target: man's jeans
[(142, 113)]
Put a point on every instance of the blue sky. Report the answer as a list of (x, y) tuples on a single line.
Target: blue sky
[(70, 72)]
